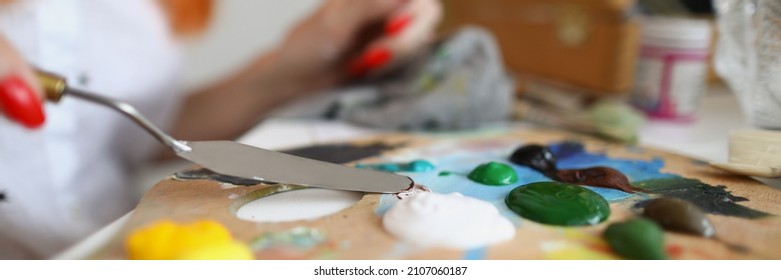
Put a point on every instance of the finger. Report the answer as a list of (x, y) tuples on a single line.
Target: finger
[(412, 26), (406, 32), (20, 94)]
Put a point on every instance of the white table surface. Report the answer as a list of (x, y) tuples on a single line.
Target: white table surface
[(704, 139)]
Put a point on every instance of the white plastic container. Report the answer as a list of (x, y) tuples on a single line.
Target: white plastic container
[(672, 67)]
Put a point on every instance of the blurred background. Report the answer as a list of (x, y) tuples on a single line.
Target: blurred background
[(651, 72), (587, 48)]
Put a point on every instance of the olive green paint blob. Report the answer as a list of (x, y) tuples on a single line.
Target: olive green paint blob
[(558, 203), (679, 215), (637, 239), (494, 174)]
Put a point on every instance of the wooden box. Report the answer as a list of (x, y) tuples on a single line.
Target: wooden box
[(590, 45)]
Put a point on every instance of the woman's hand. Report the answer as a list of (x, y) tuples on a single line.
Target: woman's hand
[(348, 39), (20, 94), (341, 40)]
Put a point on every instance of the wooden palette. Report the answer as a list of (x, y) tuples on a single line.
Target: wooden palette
[(357, 233)]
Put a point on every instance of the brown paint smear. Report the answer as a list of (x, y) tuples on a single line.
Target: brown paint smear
[(601, 176)]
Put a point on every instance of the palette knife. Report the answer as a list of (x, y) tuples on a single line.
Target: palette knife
[(240, 160)]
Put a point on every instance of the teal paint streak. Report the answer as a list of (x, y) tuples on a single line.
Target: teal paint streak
[(412, 166)]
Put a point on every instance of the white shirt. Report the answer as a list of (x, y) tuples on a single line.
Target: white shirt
[(67, 179)]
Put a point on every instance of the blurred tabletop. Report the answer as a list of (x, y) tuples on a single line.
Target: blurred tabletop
[(705, 139)]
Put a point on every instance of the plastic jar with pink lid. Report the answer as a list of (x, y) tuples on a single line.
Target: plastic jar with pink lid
[(672, 66)]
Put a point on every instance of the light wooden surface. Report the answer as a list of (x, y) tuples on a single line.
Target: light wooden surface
[(360, 227)]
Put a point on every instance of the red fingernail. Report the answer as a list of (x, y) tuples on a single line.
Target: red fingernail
[(397, 24), (370, 60), (19, 102)]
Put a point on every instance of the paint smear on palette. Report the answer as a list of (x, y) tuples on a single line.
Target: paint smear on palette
[(294, 244), (450, 175), (300, 238), (647, 175)]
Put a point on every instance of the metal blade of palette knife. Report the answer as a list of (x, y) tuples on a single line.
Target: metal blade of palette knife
[(236, 159)]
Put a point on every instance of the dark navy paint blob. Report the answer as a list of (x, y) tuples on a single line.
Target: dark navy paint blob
[(537, 157), (566, 149)]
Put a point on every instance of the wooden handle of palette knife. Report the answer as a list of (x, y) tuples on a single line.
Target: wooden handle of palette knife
[(54, 86)]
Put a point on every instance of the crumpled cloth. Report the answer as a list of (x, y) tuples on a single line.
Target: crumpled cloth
[(459, 83)]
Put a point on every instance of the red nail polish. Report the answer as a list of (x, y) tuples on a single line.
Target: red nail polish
[(370, 60), (396, 24), (19, 102)]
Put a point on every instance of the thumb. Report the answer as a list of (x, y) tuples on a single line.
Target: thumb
[(20, 94)]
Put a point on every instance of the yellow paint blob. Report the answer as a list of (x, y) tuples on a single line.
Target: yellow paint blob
[(570, 251), (166, 240)]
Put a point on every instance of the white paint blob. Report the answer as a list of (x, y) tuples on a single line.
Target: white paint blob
[(304, 204), (447, 220)]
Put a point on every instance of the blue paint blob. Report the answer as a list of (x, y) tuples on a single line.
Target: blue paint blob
[(475, 254)]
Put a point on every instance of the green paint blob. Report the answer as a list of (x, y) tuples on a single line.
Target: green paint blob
[(445, 173), (638, 239), (494, 174), (558, 203)]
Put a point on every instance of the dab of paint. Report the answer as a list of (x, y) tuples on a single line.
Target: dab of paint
[(536, 157), (573, 251), (166, 240), (300, 238), (420, 166), (444, 173), (447, 220), (637, 238), (558, 204), (679, 215), (600, 176), (412, 191), (711, 199), (494, 174), (412, 166), (2, 197)]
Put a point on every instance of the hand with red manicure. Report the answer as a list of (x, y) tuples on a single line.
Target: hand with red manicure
[(20, 96), (349, 39)]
